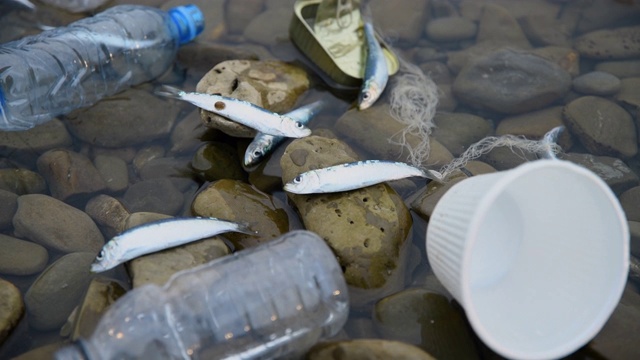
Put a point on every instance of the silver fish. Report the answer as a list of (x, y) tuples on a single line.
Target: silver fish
[(242, 112), (263, 144), (376, 73), (159, 235), (354, 175)]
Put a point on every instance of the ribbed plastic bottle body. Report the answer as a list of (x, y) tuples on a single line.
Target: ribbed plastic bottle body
[(272, 301), (75, 5), (60, 70)]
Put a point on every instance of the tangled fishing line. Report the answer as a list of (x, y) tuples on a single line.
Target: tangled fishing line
[(413, 103)]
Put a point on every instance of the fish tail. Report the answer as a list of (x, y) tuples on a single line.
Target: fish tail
[(170, 92), (245, 228)]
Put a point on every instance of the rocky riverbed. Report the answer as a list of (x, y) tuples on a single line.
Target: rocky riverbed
[(518, 67)]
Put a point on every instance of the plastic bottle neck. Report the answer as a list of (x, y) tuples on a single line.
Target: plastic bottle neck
[(189, 21)]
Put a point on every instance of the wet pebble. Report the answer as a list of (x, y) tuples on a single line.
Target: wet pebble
[(176, 169), (52, 134), (621, 69), (101, 293), (497, 25), (154, 195), (217, 160), (11, 308), (189, 133), (437, 71), (239, 14), (508, 81), (158, 267), (8, 207), (237, 201), (19, 257), (145, 155), (42, 352), (109, 213), (404, 18), (630, 201), (596, 83), (420, 317), (630, 92), (273, 85), (69, 174), (612, 170), (269, 27), (544, 29), (22, 181), (113, 171), (370, 349), (104, 124), (610, 44), (365, 228), (602, 126), (456, 131), (566, 57), (373, 128), (55, 293), (453, 28), (56, 225), (634, 231)]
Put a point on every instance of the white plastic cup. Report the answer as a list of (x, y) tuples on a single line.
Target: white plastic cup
[(537, 256)]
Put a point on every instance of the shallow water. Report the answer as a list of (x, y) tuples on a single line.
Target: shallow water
[(413, 44)]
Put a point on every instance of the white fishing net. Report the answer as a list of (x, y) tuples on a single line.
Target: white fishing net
[(413, 102)]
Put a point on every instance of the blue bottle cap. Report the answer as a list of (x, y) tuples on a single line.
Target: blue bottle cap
[(189, 20)]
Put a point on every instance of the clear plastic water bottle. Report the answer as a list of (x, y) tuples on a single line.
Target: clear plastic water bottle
[(272, 301), (57, 71)]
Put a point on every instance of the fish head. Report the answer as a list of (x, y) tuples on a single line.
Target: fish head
[(257, 150), (305, 183), (369, 93), (295, 128), (106, 258)]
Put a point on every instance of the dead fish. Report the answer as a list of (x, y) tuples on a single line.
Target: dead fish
[(376, 73), (354, 175), (263, 144), (160, 235), (242, 112)]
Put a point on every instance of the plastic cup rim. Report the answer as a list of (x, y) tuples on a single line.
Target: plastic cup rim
[(480, 213)]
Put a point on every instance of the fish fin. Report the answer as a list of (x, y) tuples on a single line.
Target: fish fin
[(169, 91)]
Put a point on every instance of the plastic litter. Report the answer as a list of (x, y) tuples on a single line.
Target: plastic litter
[(63, 69), (537, 255), (272, 301)]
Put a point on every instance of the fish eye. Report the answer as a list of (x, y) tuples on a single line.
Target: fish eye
[(257, 153), (299, 125), (297, 179), (366, 96), (100, 255)]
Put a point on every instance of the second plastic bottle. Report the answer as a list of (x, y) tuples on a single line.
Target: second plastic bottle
[(267, 302)]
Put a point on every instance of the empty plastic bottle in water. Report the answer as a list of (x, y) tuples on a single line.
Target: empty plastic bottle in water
[(272, 301), (60, 70)]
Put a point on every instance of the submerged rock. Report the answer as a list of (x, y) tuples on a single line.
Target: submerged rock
[(56, 225), (154, 195), (376, 131), (217, 160), (8, 207), (146, 118), (273, 85), (19, 257), (511, 82), (366, 228), (420, 317), (69, 174), (612, 170), (11, 308), (370, 349), (101, 294), (55, 293), (238, 201), (22, 181), (109, 213), (610, 44), (602, 126)]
